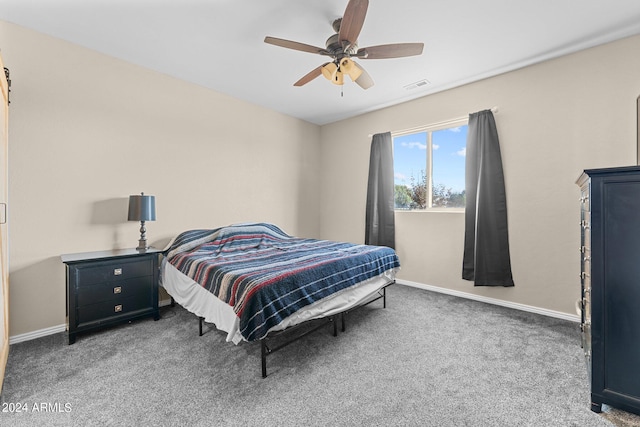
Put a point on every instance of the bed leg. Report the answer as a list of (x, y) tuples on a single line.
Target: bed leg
[(384, 297), (263, 357), (344, 323), (200, 325), (173, 302), (334, 320)]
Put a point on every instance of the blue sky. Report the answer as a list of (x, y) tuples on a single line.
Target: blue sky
[(410, 157)]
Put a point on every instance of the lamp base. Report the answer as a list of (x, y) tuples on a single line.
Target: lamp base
[(142, 246), (142, 243)]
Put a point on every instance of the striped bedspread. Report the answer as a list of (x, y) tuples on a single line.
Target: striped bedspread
[(266, 275)]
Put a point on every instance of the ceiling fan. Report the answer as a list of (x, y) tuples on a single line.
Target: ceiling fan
[(343, 46)]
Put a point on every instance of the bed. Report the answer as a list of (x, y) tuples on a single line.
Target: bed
[(254, 280)]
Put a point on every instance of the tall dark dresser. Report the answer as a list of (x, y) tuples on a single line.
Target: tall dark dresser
[(610, 285)]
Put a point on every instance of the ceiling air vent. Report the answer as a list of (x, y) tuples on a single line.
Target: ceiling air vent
[(415, 85)]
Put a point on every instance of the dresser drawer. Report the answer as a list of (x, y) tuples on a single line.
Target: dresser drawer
[(111, 291), (107, 310), (112, 271)]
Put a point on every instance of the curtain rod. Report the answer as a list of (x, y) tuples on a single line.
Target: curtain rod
[(433, 125)]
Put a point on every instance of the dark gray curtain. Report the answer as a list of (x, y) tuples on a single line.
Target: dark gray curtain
[(486, 258), (380, 219)]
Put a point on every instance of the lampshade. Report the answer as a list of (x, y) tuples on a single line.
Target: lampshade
[(142, 208), (338, 78), (329, 71), (332, 73), (350, 68)]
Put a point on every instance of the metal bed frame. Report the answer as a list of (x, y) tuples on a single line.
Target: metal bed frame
[(265, 350)]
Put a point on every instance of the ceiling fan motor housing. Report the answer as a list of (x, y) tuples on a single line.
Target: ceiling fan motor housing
[(335, 48)]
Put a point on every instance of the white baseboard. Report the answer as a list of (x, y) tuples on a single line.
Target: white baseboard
[(55, 329), (37, 334), (551, 313), (514, 305)]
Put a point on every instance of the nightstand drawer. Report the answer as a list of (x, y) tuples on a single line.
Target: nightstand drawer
[(110, 291), (106, 311), (113, 271)]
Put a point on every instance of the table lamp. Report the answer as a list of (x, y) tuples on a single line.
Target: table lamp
[(142, 208)]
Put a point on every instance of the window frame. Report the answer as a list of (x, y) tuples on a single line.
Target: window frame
[(429, 129)]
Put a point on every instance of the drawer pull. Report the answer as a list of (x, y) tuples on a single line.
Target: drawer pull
[(117, 308), (117, 290), (117, 272)]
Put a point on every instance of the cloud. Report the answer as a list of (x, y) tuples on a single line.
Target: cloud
[(456, 130), (400, 176), (435, 146), (419, 145), (462, 152)]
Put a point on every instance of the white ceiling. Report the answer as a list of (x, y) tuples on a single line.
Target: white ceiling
[(219, 43)]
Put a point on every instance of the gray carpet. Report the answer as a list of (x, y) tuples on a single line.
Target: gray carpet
[(427, 359)]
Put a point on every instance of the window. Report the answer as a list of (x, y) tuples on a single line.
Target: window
[(429, 166)]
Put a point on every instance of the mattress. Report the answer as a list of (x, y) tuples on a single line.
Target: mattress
[(266, 275), (199, 301)]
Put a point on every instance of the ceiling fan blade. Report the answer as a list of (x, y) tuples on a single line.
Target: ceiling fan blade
[(384, 51), (316, 72), (295, 45), (352, 21), (364, 81)]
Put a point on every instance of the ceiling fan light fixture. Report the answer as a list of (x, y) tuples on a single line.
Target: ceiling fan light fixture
[(347, 66), (329, 71), (338, 78), (332, 73)]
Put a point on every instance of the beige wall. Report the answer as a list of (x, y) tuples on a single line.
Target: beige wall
[(87, 130), (554, 120)]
